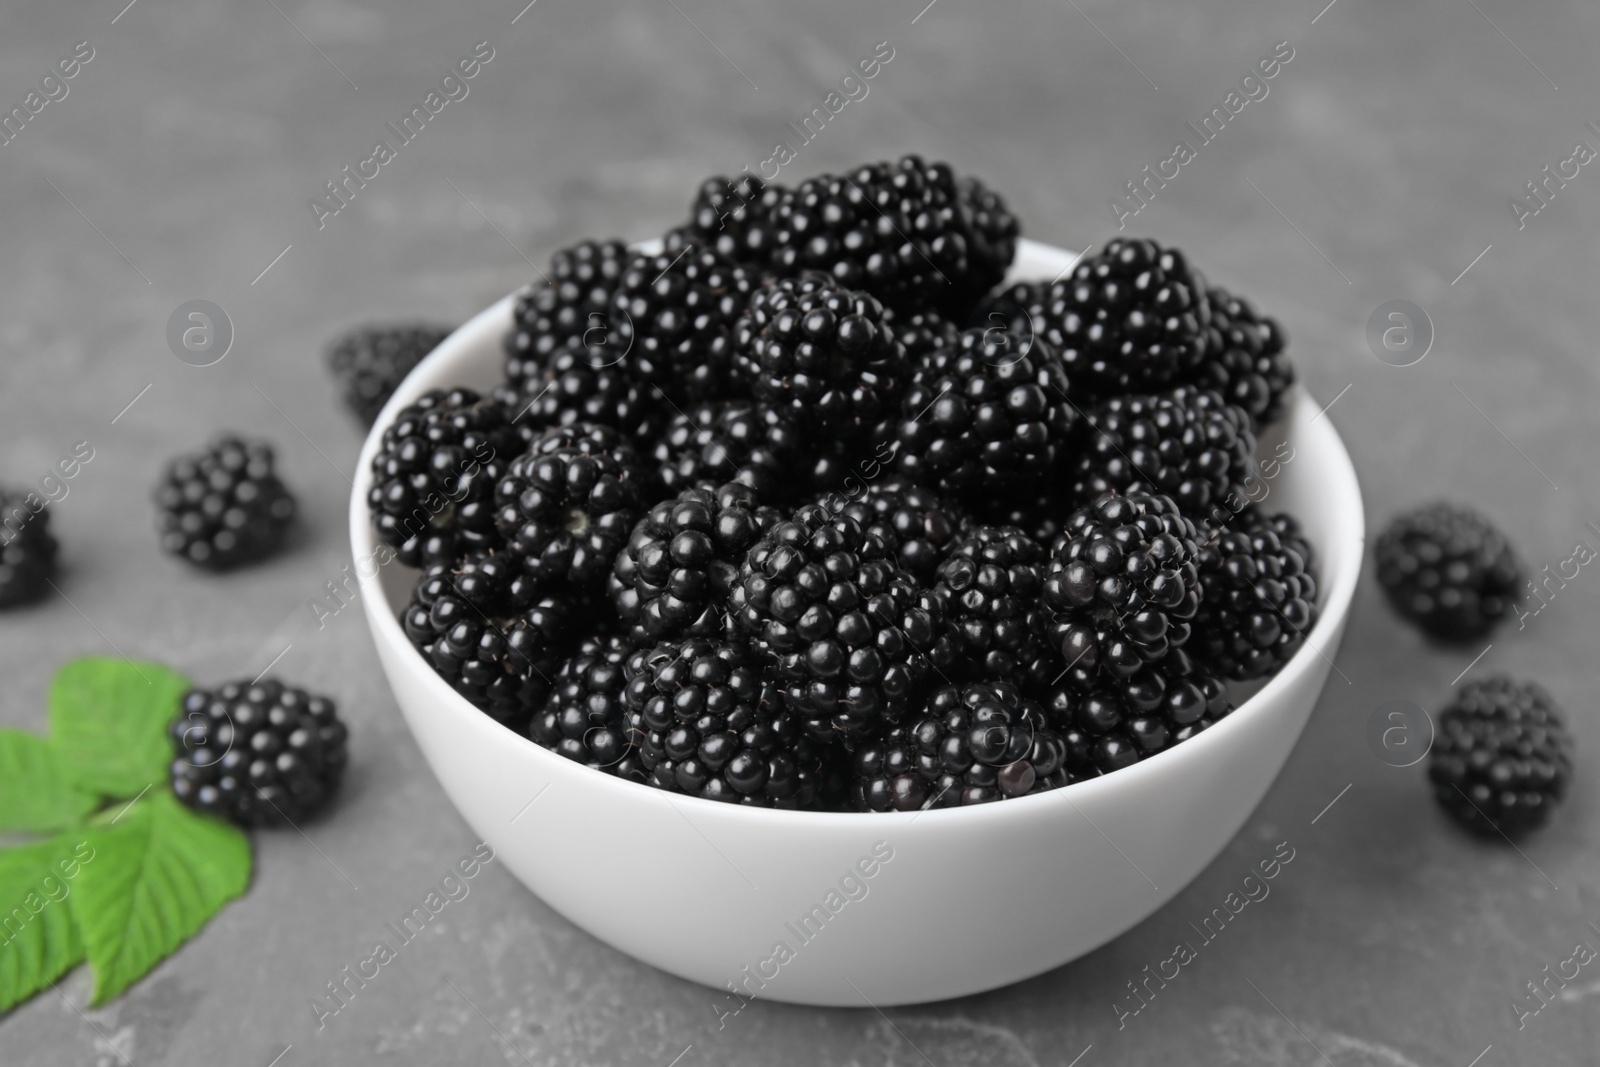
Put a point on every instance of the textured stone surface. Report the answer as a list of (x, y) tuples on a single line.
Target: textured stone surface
[(1392, 141)]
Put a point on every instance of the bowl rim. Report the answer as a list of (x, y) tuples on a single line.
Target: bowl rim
[(487, 327)]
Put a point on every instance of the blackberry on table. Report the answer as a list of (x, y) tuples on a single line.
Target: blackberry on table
[(990, 583), (369, 363), (856, 639), (704, 724), (487, 631), (1245, 361), (1502, 757), (994, 420), (259, 753), (27, 551), (674, 576), (584, 717), (682, 308), (223, 506), (1122, 585), (970, 744), (1449, 570), (1186, 442), (569, 309), (1260, 595), (725, 441), (821, 352), (731, 217)]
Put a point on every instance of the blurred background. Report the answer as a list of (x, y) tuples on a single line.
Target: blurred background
[(1379, 167)]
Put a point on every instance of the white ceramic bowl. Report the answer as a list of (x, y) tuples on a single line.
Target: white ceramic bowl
[(900, 907)]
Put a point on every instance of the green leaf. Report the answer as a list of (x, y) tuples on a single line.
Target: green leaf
[(39, 941), (160, 871), (34, 791), (108, 722)]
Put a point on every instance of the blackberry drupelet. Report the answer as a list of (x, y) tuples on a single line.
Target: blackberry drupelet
[(856, 639), (1447, 569), (823, 353), (914, 521), (1245, 360), (724, 441), (1121, 587), (1185, 442), (996, 419), (704, 724), (488, 633), (584, 717), (674, 576), (223, 506), (1260, 595), (970, 744), (432, 495), (567, 512), (369, 363), (259, 753), (569, 309), (990, 583), (576, 386), (1501, 757), (1111, 722), (731, 217), (27, 551), (682, 308), (1132, 317)]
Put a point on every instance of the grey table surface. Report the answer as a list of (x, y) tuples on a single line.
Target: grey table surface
[(1379, 167)]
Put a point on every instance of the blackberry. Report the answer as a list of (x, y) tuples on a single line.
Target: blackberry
[(1260, 595), (1186, 442), (575, 386), (571, 310), (432, 494), (822, 352), (1501, 757), (584, 717), (856, 639), (259, 753), (907, 232), (994, 420), (705, 725), (1447, 569), (990, 583), (370, 363), (916, 522), (1245, 360), (682, 308), (731, 217), (223, 506), (1115, 722), (1121, 585), (674, 576), (1132, 317), (27, 551), (971, 744), (481, 625), (567, 511), (724, 441), (929, 339)]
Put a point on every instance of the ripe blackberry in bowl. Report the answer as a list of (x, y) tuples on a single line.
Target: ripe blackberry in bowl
[(223, 506), (584, 717), (915, 522), (1260, 595), (970, 744), (674, 576), (1187, 443), (432, 494), (930, 339), (571, 308), (575, 385), (990, 583), (1449, 570), (996, 418), (682, 308), (731, 217), (1245, 361), (370, 362), (856, 639), (705, 724), (1122, 585), (567, 511), (259, 753), (27, 551), (1502, 757), (822, 353), (724, 441)]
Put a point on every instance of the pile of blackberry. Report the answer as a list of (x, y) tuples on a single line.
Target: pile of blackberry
[(797, 510)]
